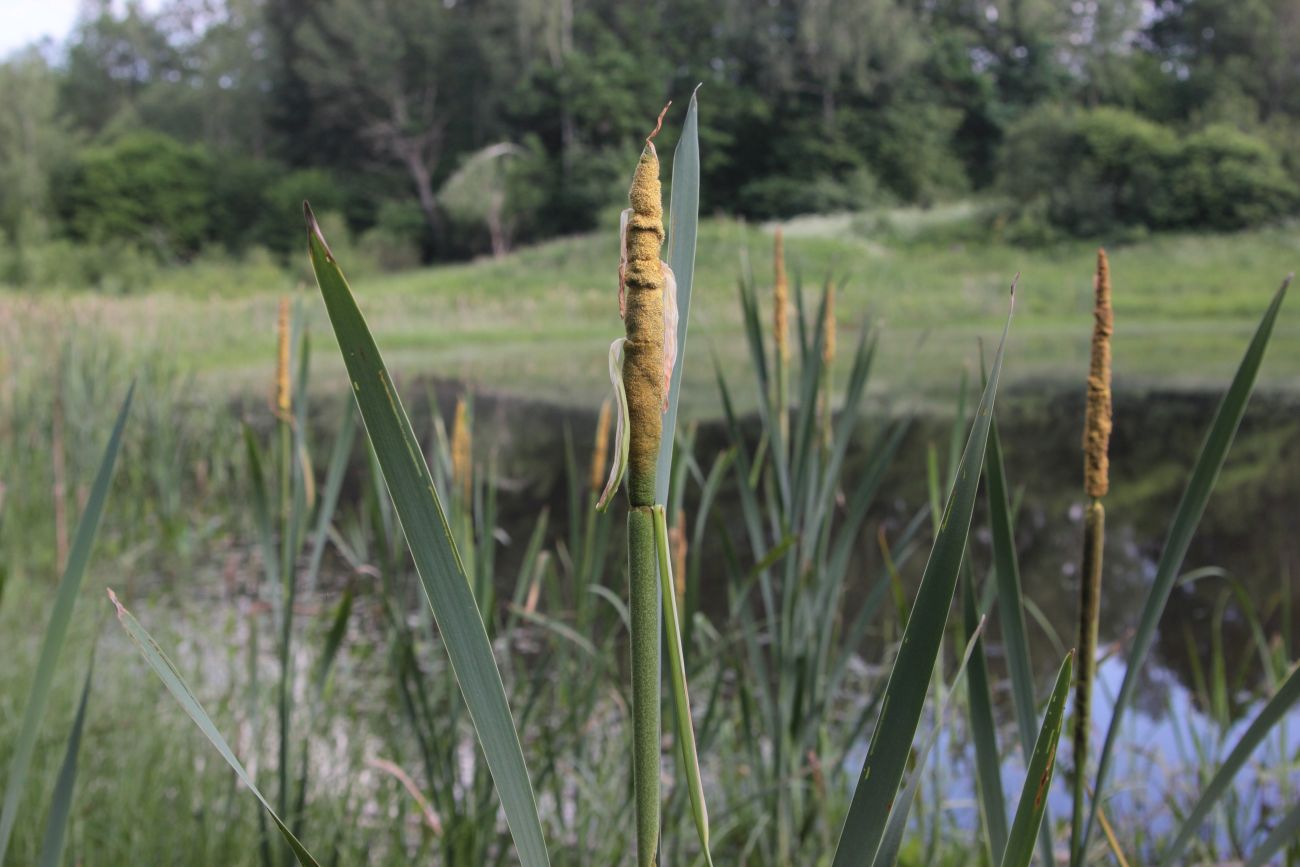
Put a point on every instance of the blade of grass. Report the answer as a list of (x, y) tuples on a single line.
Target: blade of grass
[(56, 824), (988, 766), (683, 226), (892, 842), (1273, 712), (1011, 610), (436, 559), (1284, 833), (909, 678), (681, 696), (1188, 515), (56, 632), (171, 678), (1038, 774)]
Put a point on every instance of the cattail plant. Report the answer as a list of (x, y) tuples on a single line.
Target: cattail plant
[(642, 366), (640, 362), (1096, 481), (781, 334)]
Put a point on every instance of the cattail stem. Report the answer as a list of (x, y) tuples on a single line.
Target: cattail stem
[(643, 596), (1094, 536), (284, 415), (1096, 482)]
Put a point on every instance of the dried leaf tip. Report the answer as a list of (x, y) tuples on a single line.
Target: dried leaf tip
[(313, 229), (1097, 418), (659, 123), (112, 597)]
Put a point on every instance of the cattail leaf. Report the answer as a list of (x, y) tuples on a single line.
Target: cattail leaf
[(681, 696), (180, 690), (433, 549), (56, 824), (892, 842), (1186, 518), (1284, 833), (56, 632), (683, 227), (622, 442), (1273, 712), (988, 767), (909, 679), (1011, 607), (1038, 774)]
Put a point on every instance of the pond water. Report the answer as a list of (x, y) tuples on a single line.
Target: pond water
[(1246, 551)]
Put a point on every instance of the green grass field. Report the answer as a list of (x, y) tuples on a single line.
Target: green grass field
[(538, 322)]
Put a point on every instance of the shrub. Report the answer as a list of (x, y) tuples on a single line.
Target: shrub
[(143, 189), (1106, 169), (1227, 179), (777, 196), (280, 226)]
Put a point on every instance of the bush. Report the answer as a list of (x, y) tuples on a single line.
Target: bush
[(780, 196), (144, 189), (280, 227), (1099, 170), (1227, 179)]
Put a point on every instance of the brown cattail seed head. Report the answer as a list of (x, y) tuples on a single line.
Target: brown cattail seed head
[(601, 448), (643, 366), (1097, 419), (462, 450), (828, 340), (780, 298), (282, 398)]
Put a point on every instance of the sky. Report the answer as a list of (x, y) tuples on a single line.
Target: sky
[(24, 21)]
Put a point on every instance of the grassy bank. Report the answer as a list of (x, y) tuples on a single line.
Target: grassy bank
[(539, 321)]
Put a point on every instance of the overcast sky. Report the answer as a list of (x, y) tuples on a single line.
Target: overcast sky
[(24, 21)]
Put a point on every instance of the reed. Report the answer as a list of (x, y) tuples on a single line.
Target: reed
[(1096, 476)]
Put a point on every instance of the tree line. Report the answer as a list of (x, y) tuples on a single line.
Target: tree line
[(446, 128)]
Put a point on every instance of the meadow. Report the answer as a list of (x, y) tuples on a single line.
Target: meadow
[(195, 525), (536, 321)]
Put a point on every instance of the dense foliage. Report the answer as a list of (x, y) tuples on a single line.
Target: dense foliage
[(442, 129)]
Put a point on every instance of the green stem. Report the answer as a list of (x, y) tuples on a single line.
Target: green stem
[(286, 615), (1094, 535), (644, 609)]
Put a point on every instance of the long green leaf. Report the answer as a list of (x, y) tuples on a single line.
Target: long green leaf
[(1269, 716), (1188, 515), (56, 824), (988, 767), (1038, 774), (1285, 832), (436, 559), (171, 678), (1011, 610), (683, 227), (909, 679), (681, 696), (56, 632), (892, 842)]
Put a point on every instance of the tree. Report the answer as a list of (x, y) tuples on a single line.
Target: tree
[(382, 66), (32, 141)]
